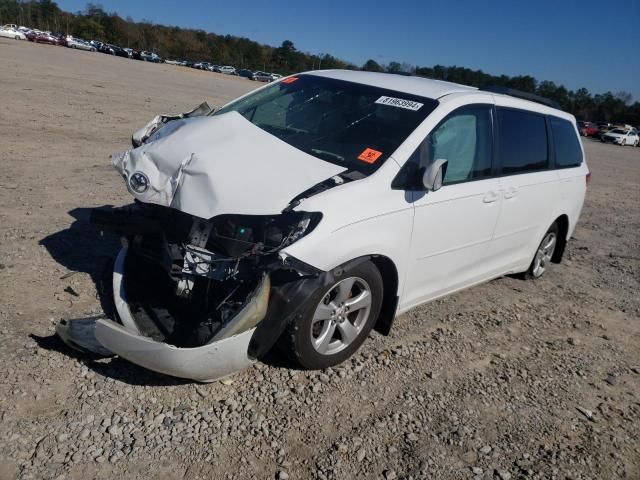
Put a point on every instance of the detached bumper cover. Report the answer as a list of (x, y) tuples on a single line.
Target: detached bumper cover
[(207, 363)]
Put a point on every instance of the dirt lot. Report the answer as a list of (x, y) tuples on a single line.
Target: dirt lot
[(512, 379)]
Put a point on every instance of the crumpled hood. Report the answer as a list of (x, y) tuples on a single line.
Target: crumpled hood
[(223, 164)]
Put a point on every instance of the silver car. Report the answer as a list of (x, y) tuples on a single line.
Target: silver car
[(80, 44)]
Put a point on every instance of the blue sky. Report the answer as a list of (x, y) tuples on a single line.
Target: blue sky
[(595, 44)]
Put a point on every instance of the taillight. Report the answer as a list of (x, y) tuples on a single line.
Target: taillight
[(588, 177)]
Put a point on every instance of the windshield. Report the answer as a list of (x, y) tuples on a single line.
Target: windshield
[(617, 130), (350, 124)]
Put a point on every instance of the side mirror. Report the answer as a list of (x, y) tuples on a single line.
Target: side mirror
[(433, 175)]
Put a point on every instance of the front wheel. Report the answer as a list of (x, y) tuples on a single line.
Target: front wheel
[(337, 319), (544, 253)]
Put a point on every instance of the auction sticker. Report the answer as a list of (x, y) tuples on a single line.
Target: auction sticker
[(400, 103), (369, 155)]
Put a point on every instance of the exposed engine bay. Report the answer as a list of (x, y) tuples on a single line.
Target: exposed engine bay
[(186, 279)]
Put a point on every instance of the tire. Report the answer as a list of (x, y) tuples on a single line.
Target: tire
[(317, 340), (544, 253)]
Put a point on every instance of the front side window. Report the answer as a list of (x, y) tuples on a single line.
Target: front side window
[(567, 145), (464, 139), (523, 145), (355, 125)]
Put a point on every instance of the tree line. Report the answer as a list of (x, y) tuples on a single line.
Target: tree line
[(94, 23)]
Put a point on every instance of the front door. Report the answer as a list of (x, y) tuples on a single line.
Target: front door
[(453, 226)]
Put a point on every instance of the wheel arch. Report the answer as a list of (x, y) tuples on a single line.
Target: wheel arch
[(390, 282), (563, 230)]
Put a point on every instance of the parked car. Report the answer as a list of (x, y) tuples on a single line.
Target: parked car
[(79, 44), (31, 36), (263, 76), (114, 50), (12, 33), (150, 57), (227, 70), (266, 77), (588, 129), (324, 205), (245, 73), (621, 137), (43, 37)]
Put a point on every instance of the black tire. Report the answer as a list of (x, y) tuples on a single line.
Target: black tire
[(297, 339), (533, 272)]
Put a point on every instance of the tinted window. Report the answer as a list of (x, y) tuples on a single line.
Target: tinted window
[(567, 145), (355, 125), (523, 141), (464, 139)]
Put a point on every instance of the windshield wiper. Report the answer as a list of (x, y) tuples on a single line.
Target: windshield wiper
[(329, 155)]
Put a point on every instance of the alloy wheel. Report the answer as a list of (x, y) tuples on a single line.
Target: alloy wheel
[(341, 315), (544, 254)]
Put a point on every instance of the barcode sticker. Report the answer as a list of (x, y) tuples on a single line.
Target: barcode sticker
[(400, 103)]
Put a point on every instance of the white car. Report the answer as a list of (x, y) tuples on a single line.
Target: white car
[(226, 69), (318, 207), (621, 137), (11, 32), (78, 44)]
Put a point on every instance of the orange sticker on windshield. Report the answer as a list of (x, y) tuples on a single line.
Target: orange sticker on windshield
[(290, 80), (369, 155)]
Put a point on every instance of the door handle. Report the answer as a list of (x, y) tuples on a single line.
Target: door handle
[(510, 193), (491, 197)]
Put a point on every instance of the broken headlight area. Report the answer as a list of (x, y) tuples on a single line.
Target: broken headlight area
[(189, 281)]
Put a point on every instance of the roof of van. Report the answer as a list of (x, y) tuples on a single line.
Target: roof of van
[(427, 87), (424, 87)]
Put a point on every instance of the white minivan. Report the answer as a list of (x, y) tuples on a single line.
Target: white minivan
[(321, 206)]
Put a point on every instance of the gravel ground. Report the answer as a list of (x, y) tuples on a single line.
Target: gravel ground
[(509, 380)]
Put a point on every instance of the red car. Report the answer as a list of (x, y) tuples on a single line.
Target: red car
[(46, 38), (588, 129)]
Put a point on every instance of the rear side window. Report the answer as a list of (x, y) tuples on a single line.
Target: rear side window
[(523, 141), (565, 140)]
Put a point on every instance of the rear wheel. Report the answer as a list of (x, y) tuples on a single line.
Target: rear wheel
[(337, 319), (544, 253)]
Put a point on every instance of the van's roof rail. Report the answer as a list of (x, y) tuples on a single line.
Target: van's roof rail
[(512, 92)]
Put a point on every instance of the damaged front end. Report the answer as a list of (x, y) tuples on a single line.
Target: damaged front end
[(192, 294), (202, 293)]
